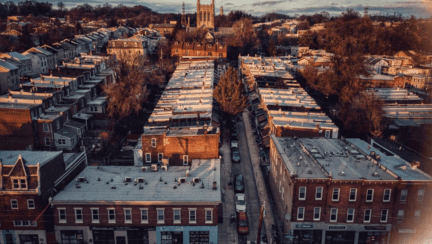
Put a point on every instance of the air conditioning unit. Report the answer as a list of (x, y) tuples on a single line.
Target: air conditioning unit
[(81, 179), (182, 180), (144, 169), (154, 168), (128, 179), (164, 167), (196, 180), (139, 180)]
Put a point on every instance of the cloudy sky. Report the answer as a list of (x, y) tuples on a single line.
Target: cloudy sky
[(407, 8)]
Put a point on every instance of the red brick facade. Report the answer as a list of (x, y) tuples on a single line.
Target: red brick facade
[(181, 49)]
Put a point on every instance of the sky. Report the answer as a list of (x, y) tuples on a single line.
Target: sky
[(420, 8)]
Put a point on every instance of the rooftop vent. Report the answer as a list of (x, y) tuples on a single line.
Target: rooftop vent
[(342, 173), (202, 184), (378, 157), (145, 169), (141, 187), (154, 168), (139, 180), (187, 173), (182, 180), (372, 153), (375, 174), (78, 185), (113, 187), (310, 172), (81, 179), (415, 164), (128, 179)]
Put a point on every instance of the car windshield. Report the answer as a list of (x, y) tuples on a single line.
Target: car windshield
[(241, 202), (243, 223)]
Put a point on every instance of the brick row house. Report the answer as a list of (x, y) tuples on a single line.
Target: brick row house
[(130, 204), (27, 181), (180, 49), (345, 191), (184, 124)]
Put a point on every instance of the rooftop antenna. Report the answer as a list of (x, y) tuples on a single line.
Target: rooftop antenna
[(183, 18), (366, 11)]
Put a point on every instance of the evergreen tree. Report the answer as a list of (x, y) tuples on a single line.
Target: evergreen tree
[(229, 93)]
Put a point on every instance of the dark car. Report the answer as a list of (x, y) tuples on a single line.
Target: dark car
[(239, 183), (234, 135), (235, 155)]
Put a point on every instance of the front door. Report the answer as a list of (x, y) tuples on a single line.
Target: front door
[(9, 239), (29, 239)]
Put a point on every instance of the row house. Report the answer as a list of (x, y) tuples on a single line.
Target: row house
[(24, 61), (132, 47), (9, 77), (50, 57), (346, 191), (184, 125), (180, 49), (71, 48), (129, 204), (39, 61), (27, 182), (57, 52)]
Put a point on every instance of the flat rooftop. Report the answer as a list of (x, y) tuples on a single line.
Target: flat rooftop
[(30, 157), (409, 114), (292, 97), (315, 158), (301, 119), (394, 94), (153, 189)]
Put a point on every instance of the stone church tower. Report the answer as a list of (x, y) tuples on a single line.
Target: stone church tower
[(205, 15)]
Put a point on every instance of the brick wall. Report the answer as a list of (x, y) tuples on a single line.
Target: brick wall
[(16, 130)]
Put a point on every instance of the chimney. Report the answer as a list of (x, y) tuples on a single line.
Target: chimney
[(42, 78)]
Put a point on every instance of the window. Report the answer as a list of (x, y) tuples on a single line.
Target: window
[(82, 102), (300, 213), (350, 215), (417, 215), (317, 214), (209, 53), (387, 194), (25, 223), (58, 124), (111, 215), (160, 216), (384, 214), (78, 215), (209, 216), (404, 195), (353, 194), (327, 134), (95, 215), (128, 215), (47, 141), (160, 157), (14, 204), (177, 215), (335, 196), (367, 215), (148, 158), (185, 159), (192, 215), (420, 195), (333, 215), (30, 204), (62, 215), (144, 215), (400, 215), (153, 142), (369, 195), (45, 125), (302, 193)]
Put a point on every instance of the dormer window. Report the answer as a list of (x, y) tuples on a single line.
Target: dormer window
[(209, 45), (187, 43), (19, 183)]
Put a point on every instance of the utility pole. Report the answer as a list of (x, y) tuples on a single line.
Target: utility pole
[(260, 223)]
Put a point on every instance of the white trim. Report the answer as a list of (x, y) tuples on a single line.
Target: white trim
[(174, 220), (302, 212), (370, 216), (17, 207), (148, 161), (111, 221), (316, 191), (353, 212), (355, 195), (336, 214), (160, 158), (192, 221), (60, 215), (319, 214), (96, 221), (211, 215), (338, 194), (384, 200), (153, 142), (79, 221), (127, 221), (144, 221), (300, 192), (367, 191), (28, 203), (163, 215)]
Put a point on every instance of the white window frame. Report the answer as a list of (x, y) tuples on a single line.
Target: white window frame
[(321, 193), (400, 215), (47, 139), (32, 203), (417, 215), (12, 204), (125, 210), (185, 162), (79, 221), (190, 211), (420, 195), (300, 210), (144, 210), (372, 195), (327, 134), (355, 195), (300, 192), (352, 215), (386, 215), (19, 183), (60, 215), (370, 216), (111, 221), (404, 195), (389, 195), (207, 210), (97, 221), (338, 194), (331, 214), (153, 142), (174, 215), (148, 159), (160, 157), (163, 215), (319, 214)]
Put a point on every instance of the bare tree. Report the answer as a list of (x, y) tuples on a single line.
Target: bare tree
[(244, 36)]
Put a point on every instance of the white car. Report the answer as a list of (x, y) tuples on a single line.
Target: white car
[(240, 201)]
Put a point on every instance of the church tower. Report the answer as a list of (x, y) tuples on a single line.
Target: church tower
[(221, 11), (205, 15)]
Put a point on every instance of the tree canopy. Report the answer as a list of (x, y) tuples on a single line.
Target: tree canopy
[(229, 93)]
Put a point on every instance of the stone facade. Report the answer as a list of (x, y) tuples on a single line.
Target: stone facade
[(205, 15)]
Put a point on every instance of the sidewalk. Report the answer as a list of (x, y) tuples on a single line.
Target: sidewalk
[(227, 231), (259, 179)]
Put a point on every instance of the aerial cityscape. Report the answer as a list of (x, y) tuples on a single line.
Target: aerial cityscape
[(275, 122)]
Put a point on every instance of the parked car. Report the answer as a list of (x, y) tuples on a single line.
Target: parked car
[(240, 202), (239, 183), (242, 226), (235, 155), (234, 135), (234, 144)]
